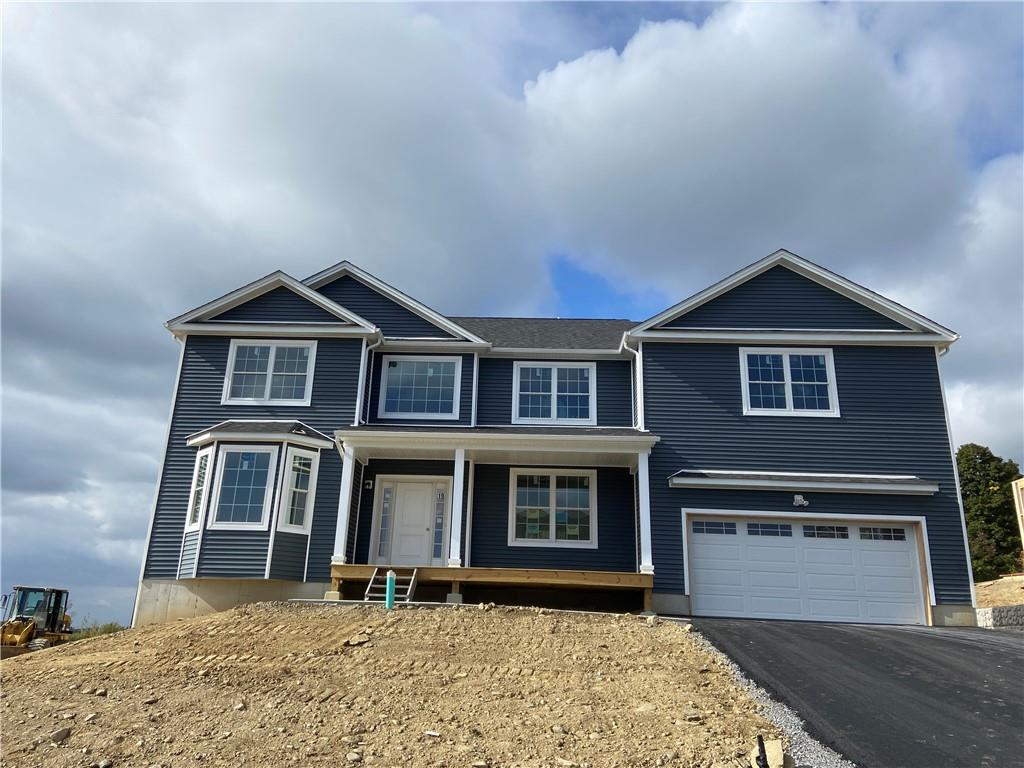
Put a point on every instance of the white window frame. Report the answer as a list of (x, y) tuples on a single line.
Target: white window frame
[(268, 495), (382, 390), (195, 526), (552, 420), (285, 491), (833, 394), (226, 398), (515, 472)]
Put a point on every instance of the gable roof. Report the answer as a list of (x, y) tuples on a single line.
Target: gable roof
[(257, 288), (913, 321), (548, 332), (344, 268)]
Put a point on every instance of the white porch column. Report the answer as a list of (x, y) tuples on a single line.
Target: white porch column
[(458, 480), (348, 461), (643, 482)]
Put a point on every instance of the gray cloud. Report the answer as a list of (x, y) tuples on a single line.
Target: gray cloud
[(157, 156)]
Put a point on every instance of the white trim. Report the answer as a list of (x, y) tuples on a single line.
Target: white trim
[(347, 268), (835, 338), (552, 473), (789, 410), (553, 420), (268, 494), (274, 344), (277, 330), (307, 517), (812, 271), (640, 411), (956, 482), (456, 395), (396, 480), (644, 492), (205, 438), (195, 526), (182, 340), (515, 442), (455, 505), (246, 293), (361, 385), (919, 520), (275, 516), (432, 346), (555, 354), (476, 387), (799, 481), (348, 458)]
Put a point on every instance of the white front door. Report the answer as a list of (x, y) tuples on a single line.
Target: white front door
[(816, 570), (411, 521)]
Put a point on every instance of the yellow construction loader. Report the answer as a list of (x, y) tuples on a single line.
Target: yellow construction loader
[(33, 618)]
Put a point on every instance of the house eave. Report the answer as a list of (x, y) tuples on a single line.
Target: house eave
[(900, 485), (271, 330), (784, 336)]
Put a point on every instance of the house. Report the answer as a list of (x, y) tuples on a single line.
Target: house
[(774, 446)]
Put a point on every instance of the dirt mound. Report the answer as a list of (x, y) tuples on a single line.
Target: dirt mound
[(1009, 590), (275, 683)]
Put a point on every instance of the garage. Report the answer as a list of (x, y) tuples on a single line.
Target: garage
[(804, 569)]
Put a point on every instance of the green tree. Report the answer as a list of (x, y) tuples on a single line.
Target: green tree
[(988, 506)]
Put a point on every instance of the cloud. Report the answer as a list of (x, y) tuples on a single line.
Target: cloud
[(157, 156)]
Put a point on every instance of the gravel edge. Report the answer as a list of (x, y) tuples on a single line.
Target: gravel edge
[(806, 751)]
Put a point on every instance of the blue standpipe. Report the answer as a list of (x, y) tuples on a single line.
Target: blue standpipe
[(389, 594)]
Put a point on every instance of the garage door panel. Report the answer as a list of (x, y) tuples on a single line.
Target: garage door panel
[(762, 575)]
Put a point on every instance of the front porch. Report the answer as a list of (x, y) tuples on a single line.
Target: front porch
[(516, 514), (522, 577)]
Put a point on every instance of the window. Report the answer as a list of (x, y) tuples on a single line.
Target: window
[(788, 382), (769, 529), (554, 393), (245, 477), (714, 526), (553, 508), (883, 534), (197, 495), (826, 532), (269, 372), (424, 387), (298, 490)]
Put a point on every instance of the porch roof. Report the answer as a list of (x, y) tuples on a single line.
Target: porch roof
[(570, 446)]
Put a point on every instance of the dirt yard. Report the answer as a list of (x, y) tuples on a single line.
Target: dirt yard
[(273, 684), (1008, 590)]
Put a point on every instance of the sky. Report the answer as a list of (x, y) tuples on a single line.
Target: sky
[(567, 160)]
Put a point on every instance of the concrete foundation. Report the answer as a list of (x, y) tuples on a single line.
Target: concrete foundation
[(954, 616), (169, 599), (670, 603)]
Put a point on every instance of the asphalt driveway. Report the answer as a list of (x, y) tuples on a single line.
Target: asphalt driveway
[(890, 697)]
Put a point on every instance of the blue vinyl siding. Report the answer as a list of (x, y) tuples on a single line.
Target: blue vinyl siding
[(281, 305), (393, 319), (892, 422), (465, 394), (616, 537), (353, 515), (364, 525), (325, 516), (614, 392), (289, 557), (197, 407), (235, 554), (781, 298), (190, 546)]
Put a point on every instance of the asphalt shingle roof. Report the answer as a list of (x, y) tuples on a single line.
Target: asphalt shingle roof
[(547, 332)]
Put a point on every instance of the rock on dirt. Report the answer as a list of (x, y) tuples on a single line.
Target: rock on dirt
[(453, 686)]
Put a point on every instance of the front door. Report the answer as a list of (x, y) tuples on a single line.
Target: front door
[(411, 520)]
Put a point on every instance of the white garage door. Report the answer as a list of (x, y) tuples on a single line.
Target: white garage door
[(814, 570)]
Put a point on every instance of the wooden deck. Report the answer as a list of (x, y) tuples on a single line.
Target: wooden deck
[(525, 577)]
